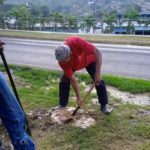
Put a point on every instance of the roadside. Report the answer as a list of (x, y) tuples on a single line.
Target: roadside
[(105, 39)]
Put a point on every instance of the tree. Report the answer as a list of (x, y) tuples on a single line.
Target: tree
[(88, 23), (1, 2), (35, 10), (110, 19), (21, 13), (130, 16), (44, 21), (72, 22), (45, 10), (2, 20), (57, 18), (147, 23)]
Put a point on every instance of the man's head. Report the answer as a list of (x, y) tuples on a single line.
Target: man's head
[(62, 52)]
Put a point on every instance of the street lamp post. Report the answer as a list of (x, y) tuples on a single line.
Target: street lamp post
[(92, 3)]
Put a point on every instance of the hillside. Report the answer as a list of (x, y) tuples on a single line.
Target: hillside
[(82, 7)]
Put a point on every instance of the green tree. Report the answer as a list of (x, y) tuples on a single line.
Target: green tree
[(58, 18), (21, 13), (72, 22), (2, 20), (45, 10), (147, 23), (44, 21), (110, 19), (88, 23), (35, 10), (130, 16), (1, 2)]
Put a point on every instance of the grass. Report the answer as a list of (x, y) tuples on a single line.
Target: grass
[(126, 128), (42, 85), (131, 85), (109, 39)]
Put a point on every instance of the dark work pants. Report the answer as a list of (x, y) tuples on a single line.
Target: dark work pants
[(64, 87)]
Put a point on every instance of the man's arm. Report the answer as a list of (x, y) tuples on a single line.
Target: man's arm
[(75, 86), (97, 76)]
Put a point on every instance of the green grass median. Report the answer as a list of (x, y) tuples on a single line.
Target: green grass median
[(108, 39), (42, 85)]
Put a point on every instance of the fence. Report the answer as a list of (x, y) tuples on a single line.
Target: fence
[(48, 24), (78, 25)]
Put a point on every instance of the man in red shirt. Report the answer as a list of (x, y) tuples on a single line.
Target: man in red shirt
[(76, 54)]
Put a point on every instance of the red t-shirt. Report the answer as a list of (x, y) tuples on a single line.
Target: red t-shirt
[(82, 55)]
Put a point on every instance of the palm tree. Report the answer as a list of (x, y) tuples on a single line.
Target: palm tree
[(146, 23), (43, 20), (72, 22), (88, 23), (130, 16), (110, 19), (32, 21), (21, 13), (57, 18), (2, 20)]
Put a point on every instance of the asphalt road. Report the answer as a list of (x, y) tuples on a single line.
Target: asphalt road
[(124, 60)]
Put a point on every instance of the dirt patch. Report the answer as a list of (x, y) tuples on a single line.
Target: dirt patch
[(55, 117), (138, 99), (81, 119), (84, 122)]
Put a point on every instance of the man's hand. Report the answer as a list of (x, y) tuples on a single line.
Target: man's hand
[(97, 79), (80, 102)]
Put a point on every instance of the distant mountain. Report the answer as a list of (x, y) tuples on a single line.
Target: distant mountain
[(82, 7)]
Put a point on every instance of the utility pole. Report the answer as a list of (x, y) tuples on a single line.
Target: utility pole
[(92, 5)]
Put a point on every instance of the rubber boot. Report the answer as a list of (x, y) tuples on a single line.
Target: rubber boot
[(103, 97), (102, 93)]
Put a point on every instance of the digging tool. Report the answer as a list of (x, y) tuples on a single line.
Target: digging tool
[(12, 82), (88, 92)]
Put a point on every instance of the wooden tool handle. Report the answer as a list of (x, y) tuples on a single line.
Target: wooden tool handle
[(88, 92)]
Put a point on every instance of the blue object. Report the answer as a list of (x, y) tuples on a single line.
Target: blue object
[(13, 118)]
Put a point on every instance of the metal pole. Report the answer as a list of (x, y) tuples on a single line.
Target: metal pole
[(4, 22), (13, 86)]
